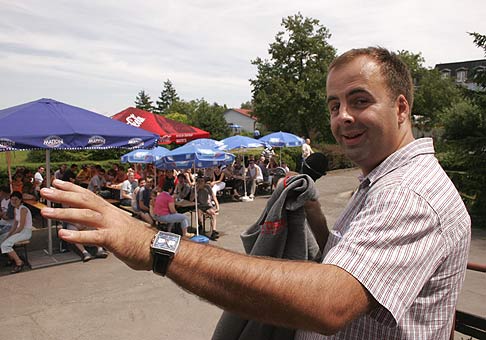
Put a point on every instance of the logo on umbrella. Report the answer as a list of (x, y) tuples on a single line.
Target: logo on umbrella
[(96, 141), (6, 143), (53, 141), (135, 143), (135, 120)]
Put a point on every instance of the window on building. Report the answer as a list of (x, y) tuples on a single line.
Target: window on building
[(461, 76), (445, 73)]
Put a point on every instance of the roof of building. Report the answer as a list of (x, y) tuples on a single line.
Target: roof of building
[(245, 112)]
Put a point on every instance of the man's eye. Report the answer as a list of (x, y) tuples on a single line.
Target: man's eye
[(361, 102), (334, 108)]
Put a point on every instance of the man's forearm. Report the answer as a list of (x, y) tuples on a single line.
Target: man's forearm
[(298, 295)]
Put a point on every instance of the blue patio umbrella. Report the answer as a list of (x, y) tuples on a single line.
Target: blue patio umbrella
[(52, 125), (195, 156), (281, 140), (206, 143), (241, 143), (145, 156)]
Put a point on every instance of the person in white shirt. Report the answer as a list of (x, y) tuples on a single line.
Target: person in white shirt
[(6, 219), (38, 179), (21, 230), (254, 176)]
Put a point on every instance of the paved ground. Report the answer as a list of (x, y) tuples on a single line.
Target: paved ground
[(104, 299)]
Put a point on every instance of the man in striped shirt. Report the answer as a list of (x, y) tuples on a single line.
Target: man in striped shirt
[(393, 264)]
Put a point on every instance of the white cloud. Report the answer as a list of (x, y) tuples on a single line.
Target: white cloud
[(100, 54)]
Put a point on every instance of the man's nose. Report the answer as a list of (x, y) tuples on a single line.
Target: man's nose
[(344, 115)]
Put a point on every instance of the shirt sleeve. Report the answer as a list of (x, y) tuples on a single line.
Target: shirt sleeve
[(393, 246)]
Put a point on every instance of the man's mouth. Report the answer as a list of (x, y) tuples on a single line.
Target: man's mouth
[(352, 138)]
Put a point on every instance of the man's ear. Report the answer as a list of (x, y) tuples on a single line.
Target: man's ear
[(403, 112)]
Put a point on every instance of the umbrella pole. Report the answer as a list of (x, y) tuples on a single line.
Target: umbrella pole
[(9, 166), (48, 184), (195, 203)]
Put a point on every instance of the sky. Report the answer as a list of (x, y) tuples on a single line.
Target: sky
[(99, 54)]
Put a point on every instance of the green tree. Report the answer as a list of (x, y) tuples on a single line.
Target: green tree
[(289, 90), (167, 97), (180, 117), (143, 101), (480, 75), (210, 118), (461, 120), (479, 97), (248, 105), (433, 93)]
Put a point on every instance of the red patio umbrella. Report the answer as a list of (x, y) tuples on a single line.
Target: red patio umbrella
[(170, 131)]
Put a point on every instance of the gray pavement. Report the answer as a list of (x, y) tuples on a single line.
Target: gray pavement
[(104, 299)]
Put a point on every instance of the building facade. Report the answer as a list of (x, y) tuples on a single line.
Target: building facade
[(241, 118), (463, 72)]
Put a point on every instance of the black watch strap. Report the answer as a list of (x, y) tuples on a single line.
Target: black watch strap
[(160, 263)]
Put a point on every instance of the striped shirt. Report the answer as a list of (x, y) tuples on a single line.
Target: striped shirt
[(405, 236)]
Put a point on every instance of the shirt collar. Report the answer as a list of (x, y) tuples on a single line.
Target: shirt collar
[(399, 158)]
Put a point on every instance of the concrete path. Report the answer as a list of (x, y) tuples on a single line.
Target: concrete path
[(104, 299)]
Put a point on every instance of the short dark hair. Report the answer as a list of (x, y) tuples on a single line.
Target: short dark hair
[(17, 194), (395, 72)]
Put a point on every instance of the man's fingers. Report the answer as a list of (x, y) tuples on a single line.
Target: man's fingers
[(73, 196), (93, 237), (81, 216)]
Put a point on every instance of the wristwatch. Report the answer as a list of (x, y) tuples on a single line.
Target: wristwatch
[(163, 248)]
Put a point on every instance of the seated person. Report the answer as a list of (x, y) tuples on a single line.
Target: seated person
[(165, 211), (21, 230), (127, 188), (253, 177), (217, 182), (183, 189), (28, 188), (59, 173), (70, 174), (7, 212), (231, 181), (207, 203), (18, 182), (142, 199), (238, 177), (98, 182), (86, 256), (83, 175)]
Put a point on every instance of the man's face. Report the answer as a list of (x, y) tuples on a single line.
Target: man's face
[(41, 170), (365, 121)]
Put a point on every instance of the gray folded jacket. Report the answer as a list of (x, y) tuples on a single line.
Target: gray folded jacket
[(280, 232)]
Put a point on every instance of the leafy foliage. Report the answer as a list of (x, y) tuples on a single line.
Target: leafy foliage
[(461, 120), (289, 90), (143, 101), (167, 97), (433, 94), (210, 118)]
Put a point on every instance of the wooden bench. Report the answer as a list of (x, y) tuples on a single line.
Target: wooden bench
[(22, 245), (113, 201), (128, 209)]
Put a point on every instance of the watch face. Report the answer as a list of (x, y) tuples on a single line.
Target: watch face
[(167, 242)]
